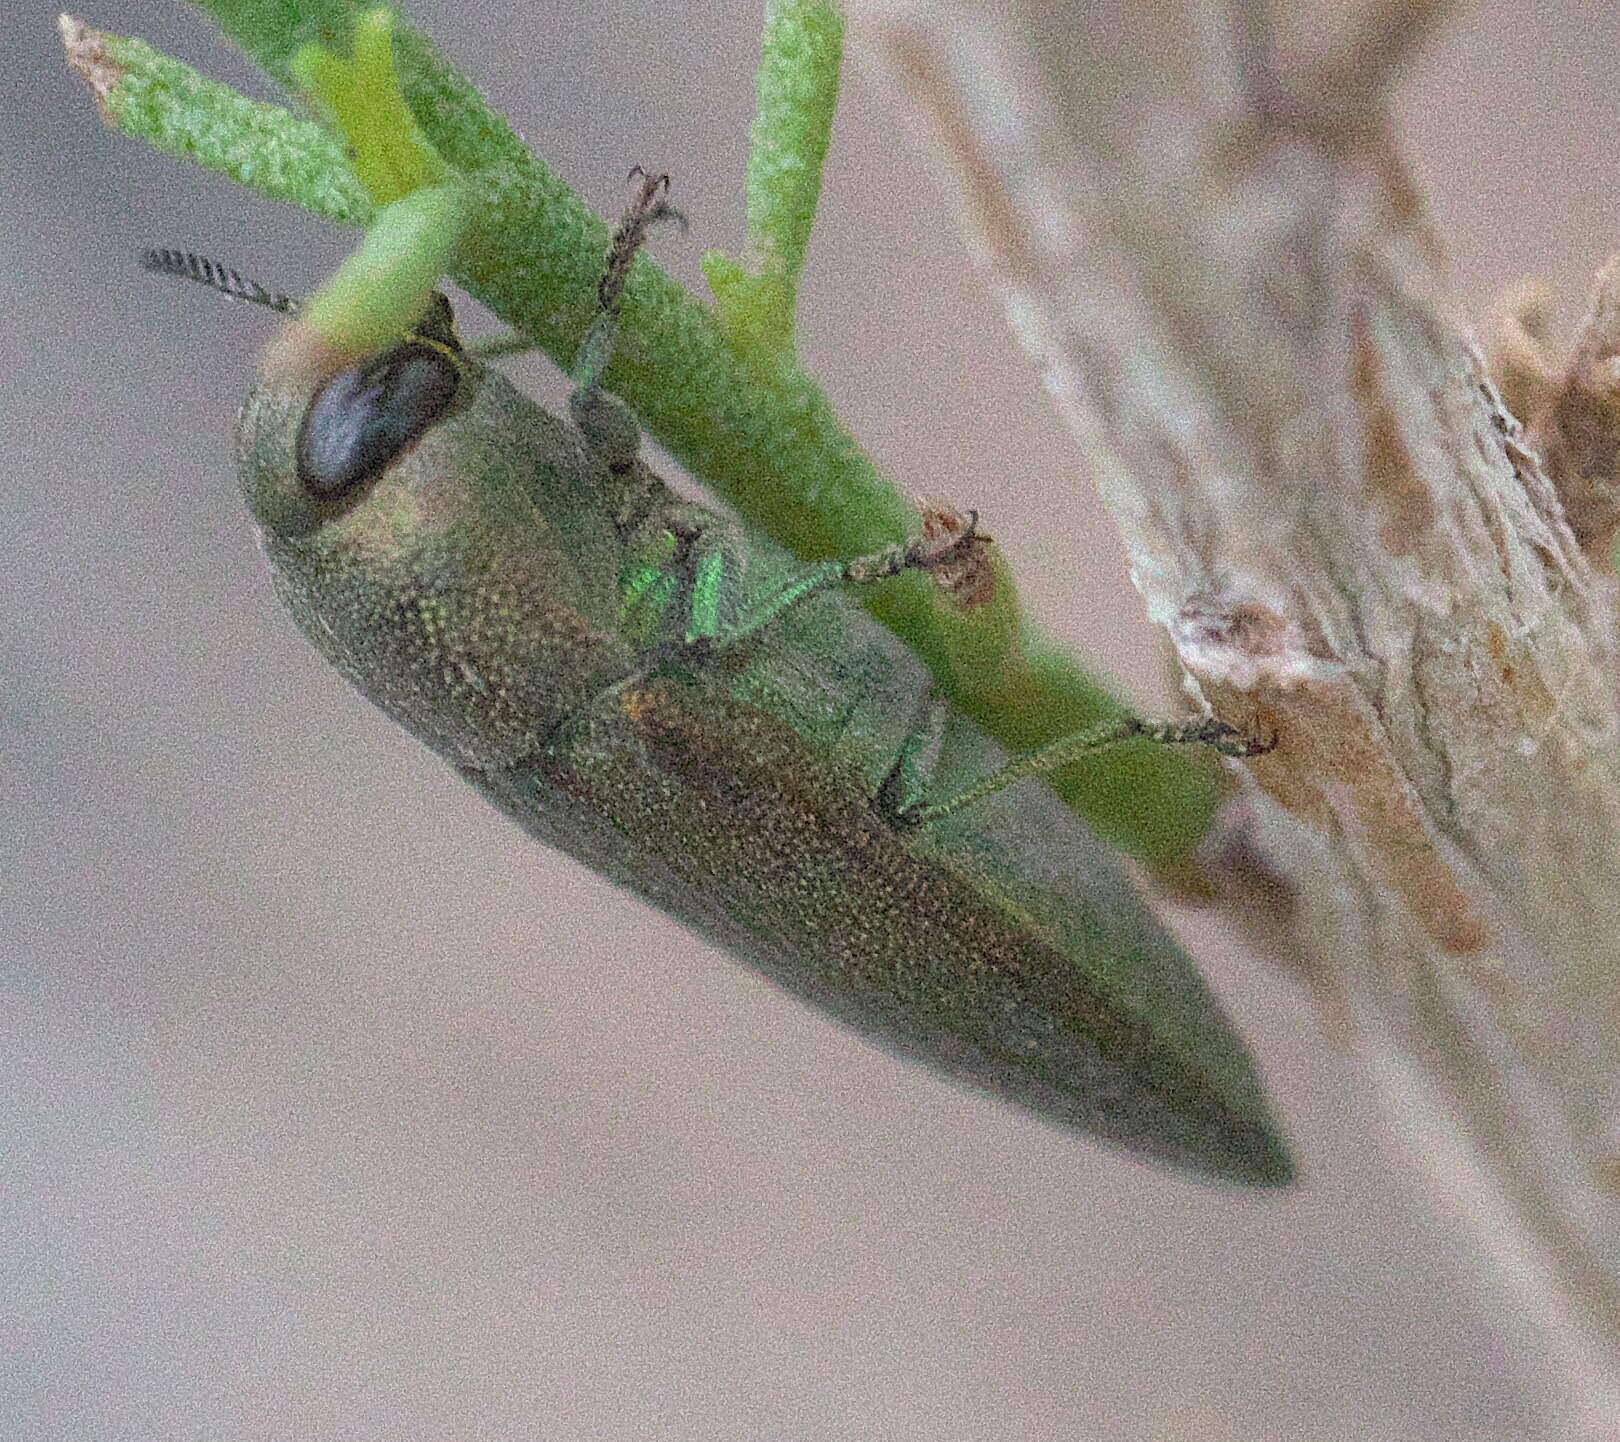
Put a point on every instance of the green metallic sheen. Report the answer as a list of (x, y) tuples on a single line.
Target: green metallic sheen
[(493, 592)]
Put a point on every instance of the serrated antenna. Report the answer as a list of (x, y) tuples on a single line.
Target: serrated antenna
[(226, 281)]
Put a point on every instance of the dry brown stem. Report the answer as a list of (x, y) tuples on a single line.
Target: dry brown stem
[(1219, 258), (1576, 427), (1516, 349), (87, 57)]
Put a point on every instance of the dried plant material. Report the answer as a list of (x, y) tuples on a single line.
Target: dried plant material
[(966, 571), (89, 58), (1517, 354), (1335, 100), (1576, 428), (1348, 539), (1355, 80)]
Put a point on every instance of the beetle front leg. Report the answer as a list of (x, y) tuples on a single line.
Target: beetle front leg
[(609, 427)]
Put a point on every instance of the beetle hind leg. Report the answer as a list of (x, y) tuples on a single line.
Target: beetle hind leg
[(1066, 750)]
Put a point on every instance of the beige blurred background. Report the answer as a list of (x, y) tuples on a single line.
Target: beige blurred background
[(333, 1110)]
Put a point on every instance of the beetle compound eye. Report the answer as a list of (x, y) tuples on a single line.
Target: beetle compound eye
[(361, 421)]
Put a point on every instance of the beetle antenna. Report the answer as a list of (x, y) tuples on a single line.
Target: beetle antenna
[(215, 276)]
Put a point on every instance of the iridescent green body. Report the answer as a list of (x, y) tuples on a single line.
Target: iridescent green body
[(495, 591)]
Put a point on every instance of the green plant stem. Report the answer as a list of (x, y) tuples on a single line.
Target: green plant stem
[(801, 53), (763, 435)]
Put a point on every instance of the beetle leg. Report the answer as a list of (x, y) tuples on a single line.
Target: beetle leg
[(904, 791), (1227, 740), (608, 425), (678, 591), (704, 627), (492, 347)]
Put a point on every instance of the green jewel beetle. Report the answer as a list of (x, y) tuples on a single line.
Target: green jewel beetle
[(713, 726)]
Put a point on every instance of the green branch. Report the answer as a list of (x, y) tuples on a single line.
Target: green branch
[(146, 94), (801, 53), (755, 427)]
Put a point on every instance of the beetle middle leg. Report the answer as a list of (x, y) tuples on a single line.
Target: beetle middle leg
[(681, 585)]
